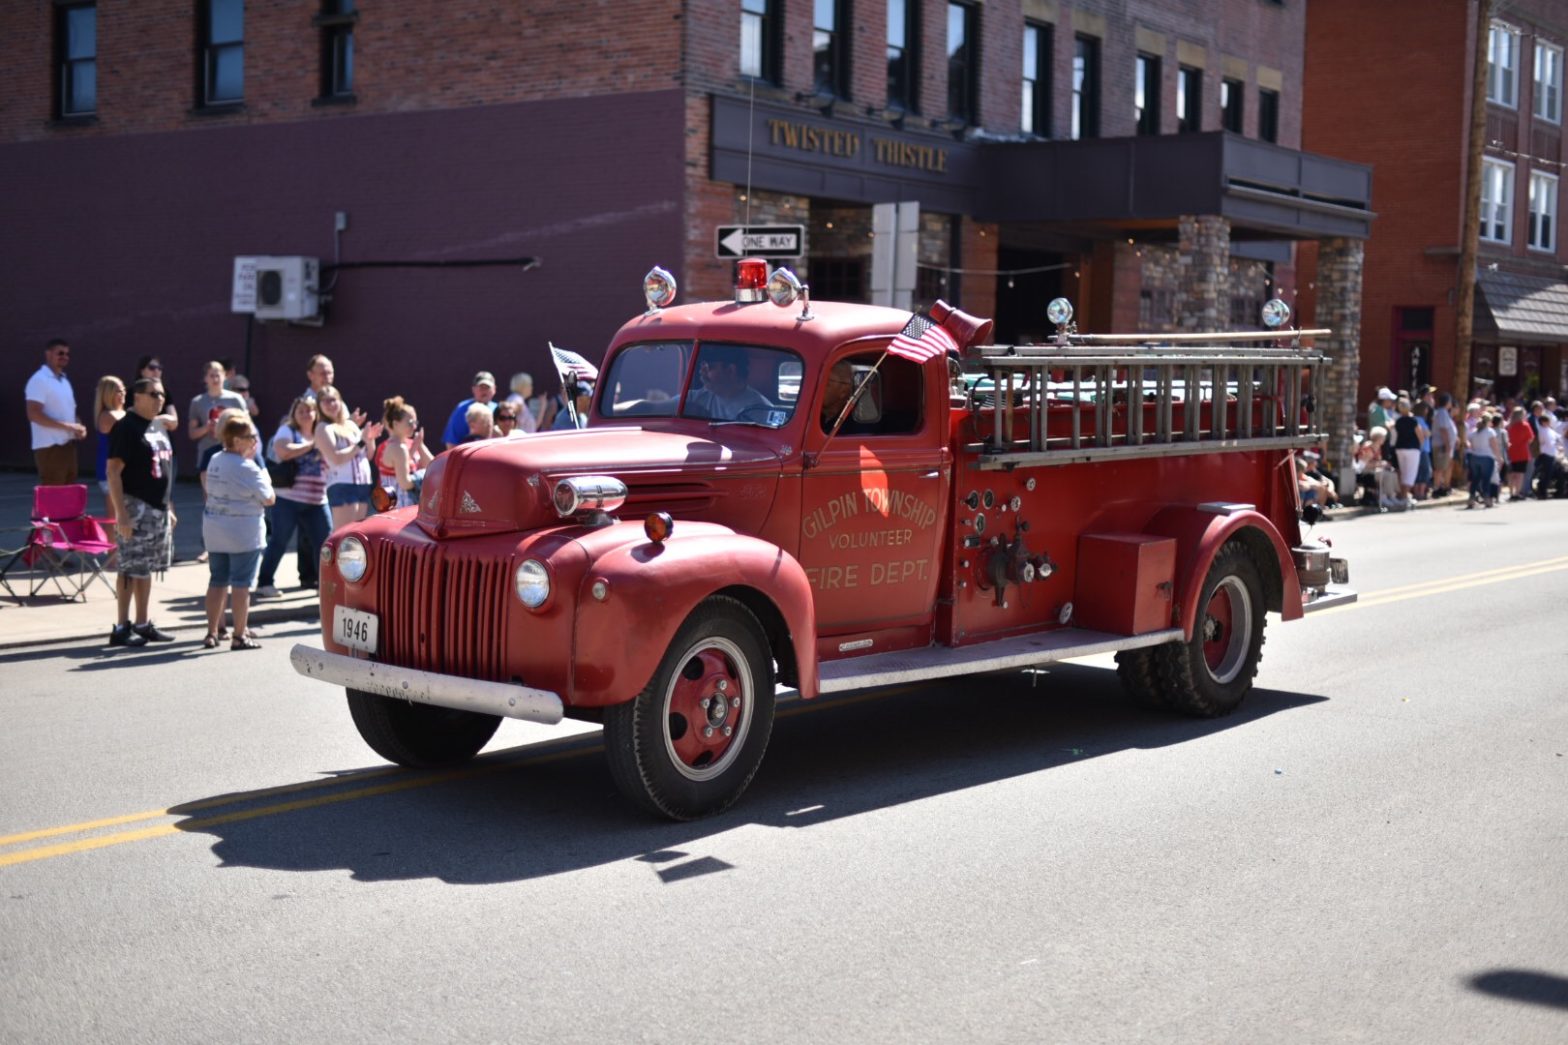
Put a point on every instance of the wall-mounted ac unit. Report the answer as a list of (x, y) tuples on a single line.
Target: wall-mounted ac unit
[(286, 288)]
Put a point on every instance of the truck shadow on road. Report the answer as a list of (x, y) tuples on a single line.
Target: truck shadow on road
[(543, 810)]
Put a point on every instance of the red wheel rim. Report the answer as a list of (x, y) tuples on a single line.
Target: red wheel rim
[(708, 709)]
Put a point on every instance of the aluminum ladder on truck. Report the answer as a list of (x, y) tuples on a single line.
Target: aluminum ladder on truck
[(1069, 402)]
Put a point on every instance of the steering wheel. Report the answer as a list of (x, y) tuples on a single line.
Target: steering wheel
[(764, 413)]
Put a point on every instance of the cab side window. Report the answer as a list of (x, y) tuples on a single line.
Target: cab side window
[(892, 400)]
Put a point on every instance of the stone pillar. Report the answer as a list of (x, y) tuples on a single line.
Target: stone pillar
[(1203, 273), (1340, 265)]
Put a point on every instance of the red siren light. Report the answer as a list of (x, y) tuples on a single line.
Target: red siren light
[(751, 280)]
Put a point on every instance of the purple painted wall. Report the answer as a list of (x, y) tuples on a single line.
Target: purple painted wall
[(124, 245)]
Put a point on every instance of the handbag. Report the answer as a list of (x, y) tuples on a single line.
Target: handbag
[(283, 473)]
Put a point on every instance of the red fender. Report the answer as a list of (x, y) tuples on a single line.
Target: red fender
[(1200, 535), (652, 588)]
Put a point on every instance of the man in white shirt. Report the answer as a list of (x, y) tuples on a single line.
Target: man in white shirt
[(51, 407), (1548, 444)]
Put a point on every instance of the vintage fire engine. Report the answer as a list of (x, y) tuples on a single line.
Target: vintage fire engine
[(803, 507)]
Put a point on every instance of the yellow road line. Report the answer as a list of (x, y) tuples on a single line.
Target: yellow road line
[(408, 783), (1453, 584), (1444, 581)]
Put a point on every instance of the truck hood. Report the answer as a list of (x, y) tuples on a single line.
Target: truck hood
[(505, 485)]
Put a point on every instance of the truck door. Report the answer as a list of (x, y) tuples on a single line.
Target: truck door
[(874, 496)]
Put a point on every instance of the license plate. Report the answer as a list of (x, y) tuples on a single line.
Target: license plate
[(355, 629)]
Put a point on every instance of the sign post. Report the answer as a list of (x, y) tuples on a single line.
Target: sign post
[(760, 241)]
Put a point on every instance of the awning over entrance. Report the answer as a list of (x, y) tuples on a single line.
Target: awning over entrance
[(1521, 308)]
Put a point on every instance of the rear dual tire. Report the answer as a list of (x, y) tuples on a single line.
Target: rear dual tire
[(1211, 673)]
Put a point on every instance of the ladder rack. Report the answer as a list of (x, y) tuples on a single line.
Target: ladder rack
[(1071, 402)]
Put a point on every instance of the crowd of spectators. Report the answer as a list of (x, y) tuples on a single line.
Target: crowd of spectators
[(325, 465), (1414, 448)]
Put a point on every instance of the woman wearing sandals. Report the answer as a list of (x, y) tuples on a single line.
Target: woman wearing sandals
[(237, 492)]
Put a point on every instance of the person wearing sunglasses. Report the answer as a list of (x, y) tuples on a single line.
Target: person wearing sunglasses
[(150, 367), (141, 479)]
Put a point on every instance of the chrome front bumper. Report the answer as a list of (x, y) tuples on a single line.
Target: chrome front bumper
[(428, 687)]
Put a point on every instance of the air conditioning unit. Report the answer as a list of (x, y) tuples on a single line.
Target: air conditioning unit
[(286, 288)]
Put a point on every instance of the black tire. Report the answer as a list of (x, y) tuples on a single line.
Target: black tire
[(419, 736), (667, 751), (1139, 670), (1211, 674)]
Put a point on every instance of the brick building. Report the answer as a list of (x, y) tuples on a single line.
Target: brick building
[(1408, 326), (1145, 164)]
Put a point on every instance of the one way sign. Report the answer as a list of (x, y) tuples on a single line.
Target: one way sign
[(761, 241)]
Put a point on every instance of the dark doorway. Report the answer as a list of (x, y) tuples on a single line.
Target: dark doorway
[(1412, 362), (1028, 281)]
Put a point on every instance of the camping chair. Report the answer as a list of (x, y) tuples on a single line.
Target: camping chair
[(69, 544)]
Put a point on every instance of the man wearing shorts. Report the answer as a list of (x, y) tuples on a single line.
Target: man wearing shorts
[(141, 478)]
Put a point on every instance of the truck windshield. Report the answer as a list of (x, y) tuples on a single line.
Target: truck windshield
[(646, 380), (732, 383)]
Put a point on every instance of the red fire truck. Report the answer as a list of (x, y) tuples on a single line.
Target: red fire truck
[(767, 495)]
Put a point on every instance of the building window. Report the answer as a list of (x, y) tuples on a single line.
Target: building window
[(337, 20), (1037, 80), (1543, 211), (1230, 105), (223, 52), (1086, 88), (829, 50), (1502, 71), (903, 29), (76, 46), (1268, 115), (1146, 94), (1189, 99), (1497, 201), (759, 40), (962, 62), (1549, 82)]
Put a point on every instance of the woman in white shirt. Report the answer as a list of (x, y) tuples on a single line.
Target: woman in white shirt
[(345, 453)]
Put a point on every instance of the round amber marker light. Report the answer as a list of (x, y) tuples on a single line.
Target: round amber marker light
[(658, 527)]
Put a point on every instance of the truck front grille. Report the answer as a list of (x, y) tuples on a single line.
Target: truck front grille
[(443, 611)]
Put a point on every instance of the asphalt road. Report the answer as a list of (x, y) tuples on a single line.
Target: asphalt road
[(1373, 849)]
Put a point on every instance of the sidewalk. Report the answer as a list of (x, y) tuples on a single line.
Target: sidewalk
[(178, 597)]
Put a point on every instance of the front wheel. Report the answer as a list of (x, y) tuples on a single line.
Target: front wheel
[(689, 744), (419, 736)]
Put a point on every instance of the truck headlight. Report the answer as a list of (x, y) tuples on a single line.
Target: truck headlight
[(352, 559), (533, 583)]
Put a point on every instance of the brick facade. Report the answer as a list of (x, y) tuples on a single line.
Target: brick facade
[(1418, 148)]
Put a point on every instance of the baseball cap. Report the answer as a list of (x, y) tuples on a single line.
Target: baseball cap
[(1384, 393), (484, 377)]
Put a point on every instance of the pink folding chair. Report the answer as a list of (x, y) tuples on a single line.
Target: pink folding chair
[(71, 546)]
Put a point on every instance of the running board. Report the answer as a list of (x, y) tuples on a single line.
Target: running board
[(1021, 651)]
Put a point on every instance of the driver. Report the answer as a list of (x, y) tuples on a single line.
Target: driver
[(724, 395)]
